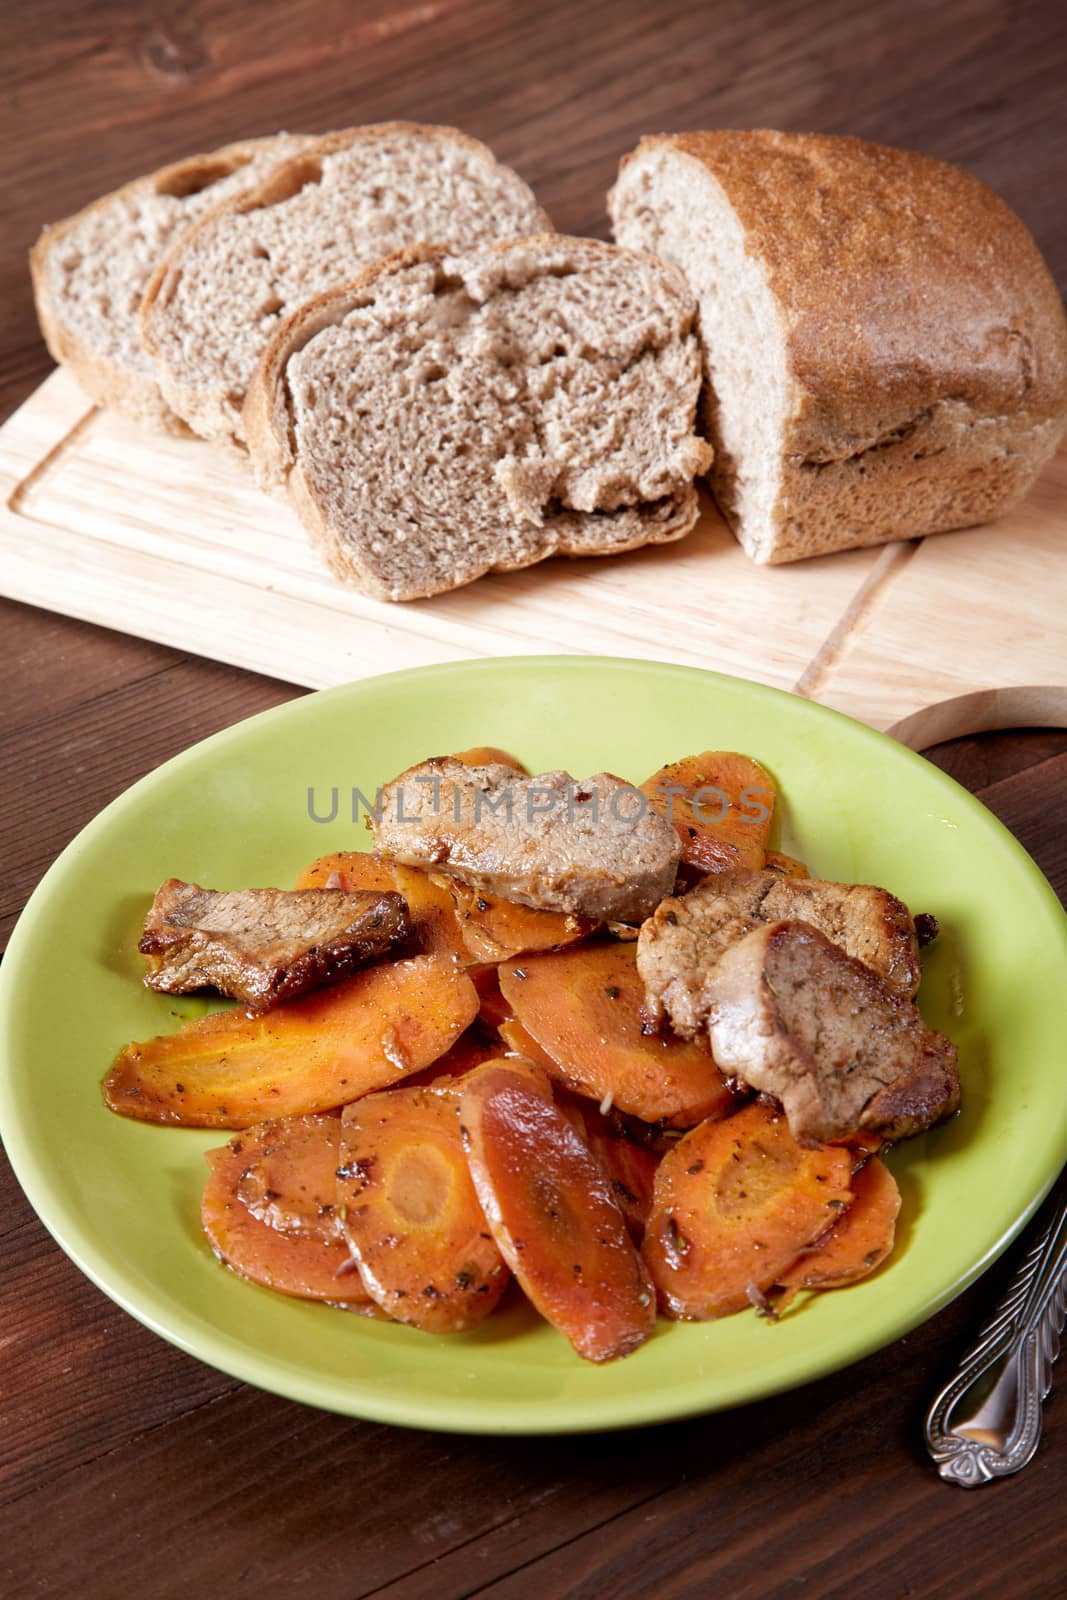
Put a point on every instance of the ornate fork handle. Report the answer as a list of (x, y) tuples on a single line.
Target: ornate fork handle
[(986, 1422)]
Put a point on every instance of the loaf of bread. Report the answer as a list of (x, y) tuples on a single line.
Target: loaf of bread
[(448, 415), (345, 202), (885, 350), (90, 272)]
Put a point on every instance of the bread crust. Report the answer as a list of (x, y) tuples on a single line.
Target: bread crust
[(135, 395), (268, 424), (266, 414), (925, 339), (201, 408)]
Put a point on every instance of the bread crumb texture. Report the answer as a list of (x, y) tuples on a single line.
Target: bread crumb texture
[(481, 411), (346, 202), (97, 264)]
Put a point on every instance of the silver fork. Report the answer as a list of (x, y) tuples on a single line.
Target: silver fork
[(986, 1422)]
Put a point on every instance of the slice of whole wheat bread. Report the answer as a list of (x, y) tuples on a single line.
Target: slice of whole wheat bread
[(345, 202), (450, 415), (90, 271)]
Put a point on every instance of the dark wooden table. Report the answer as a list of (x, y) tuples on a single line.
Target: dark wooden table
[(127, 1468)]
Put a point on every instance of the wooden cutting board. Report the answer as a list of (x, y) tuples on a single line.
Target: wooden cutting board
[(170, 540)]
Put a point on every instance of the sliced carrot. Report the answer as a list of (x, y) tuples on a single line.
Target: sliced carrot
[(488, 755), (230, 1070), (788, 866), (721, 805), (348, 869), (552, 1213), (483, 975), (531, 1071), (498, 930), (493, 1009), (433, 911), (294, 1263), (291, 1181), (478, 1044), (584, 1009), (411, 1215), (521, 1043), (735, 1203), (523, 1050), (630, 1166), (858, 1243)]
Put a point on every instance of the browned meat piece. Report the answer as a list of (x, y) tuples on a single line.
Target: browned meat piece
[(797, 1018), (265, 945), (682, 942), (594, 848)]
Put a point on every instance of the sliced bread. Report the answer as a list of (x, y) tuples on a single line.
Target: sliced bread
[(90, 272), (885, 349), (345, 202), (449, 415)]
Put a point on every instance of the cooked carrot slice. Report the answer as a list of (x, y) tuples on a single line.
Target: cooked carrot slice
[(498, 930), (721, 805), (531, 1071), (859, 1241), (291, 1180), (294, 1263), (521, 1043), (433, 911), (432, 908), (483, 975), (348, 869), (488, 755), (584, 1009), (230, 1070), (735, 1203), (411, 1215), (493, 1008), (630, 1166), (478, 1044), (552, 1213), (788, 866)]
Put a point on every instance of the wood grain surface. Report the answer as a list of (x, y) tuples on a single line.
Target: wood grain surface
[(125, 1467)]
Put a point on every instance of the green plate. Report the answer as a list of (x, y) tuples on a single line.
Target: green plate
[(122, 1199)]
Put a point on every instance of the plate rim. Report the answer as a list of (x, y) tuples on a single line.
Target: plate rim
[(496, 1415)]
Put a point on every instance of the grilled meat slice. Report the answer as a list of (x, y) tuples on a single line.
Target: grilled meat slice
[(681, 943), (265, 945), (594, 848), (795, 1017)]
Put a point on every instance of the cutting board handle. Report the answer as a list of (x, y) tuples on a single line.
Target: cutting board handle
[(982, 711)]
